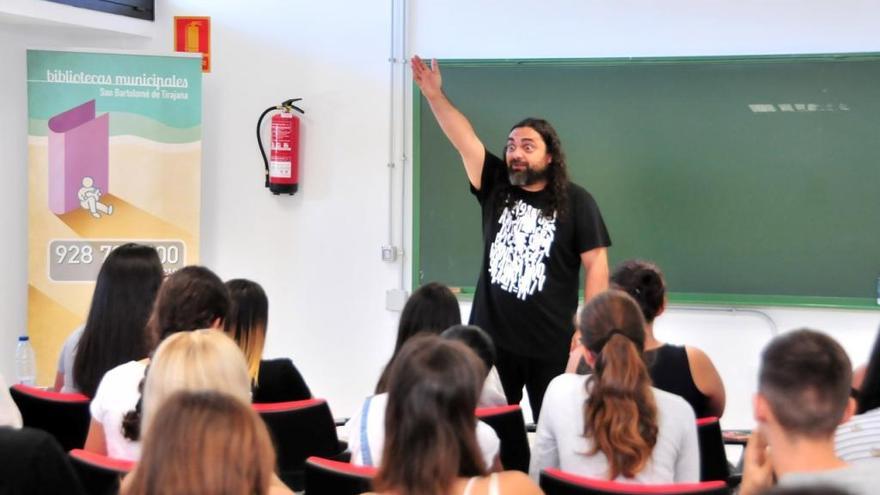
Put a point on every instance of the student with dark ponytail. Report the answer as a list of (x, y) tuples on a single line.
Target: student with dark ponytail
[(682, 370), (613, 424)]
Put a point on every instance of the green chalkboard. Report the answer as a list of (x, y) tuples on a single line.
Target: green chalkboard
[(750, 180)]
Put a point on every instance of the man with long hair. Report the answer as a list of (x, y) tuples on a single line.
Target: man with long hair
[(538, 229)]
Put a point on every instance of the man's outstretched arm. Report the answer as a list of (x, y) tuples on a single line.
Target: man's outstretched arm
[(454, 124)]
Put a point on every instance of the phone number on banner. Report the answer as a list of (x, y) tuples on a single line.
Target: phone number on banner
[(74, 260)]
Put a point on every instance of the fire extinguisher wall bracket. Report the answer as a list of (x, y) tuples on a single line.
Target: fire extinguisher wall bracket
[(282, 164)]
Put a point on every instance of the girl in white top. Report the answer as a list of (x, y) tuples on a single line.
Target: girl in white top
[(613, 424), (191, 298), (430, 444)]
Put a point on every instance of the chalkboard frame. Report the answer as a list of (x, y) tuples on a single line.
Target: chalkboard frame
[(676, 298)]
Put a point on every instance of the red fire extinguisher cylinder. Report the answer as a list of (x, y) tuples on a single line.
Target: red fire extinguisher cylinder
[(284, 154)]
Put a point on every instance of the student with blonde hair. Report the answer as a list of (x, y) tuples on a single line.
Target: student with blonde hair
[(274, 380), (205, 442), (194, 361), (613, 424), (201, 361)]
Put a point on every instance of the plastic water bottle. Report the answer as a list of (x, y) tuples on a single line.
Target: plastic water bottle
[(25, 362)]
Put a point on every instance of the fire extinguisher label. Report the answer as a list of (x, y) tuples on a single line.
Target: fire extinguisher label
[(279, 169)]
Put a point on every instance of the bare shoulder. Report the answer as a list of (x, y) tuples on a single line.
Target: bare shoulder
[(517, 483), (697, 358)]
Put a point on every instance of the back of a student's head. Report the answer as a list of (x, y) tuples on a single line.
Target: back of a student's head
[(645, 283), (190, 298), (247, 320), (204, 442), (196, 361), (431, 309), (803, 384), (620, 415), (115, 331), (476, 339), (430, 439), (869, 393), (201, 360)]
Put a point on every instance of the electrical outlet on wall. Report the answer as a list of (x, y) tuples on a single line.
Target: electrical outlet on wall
[(389, 253)]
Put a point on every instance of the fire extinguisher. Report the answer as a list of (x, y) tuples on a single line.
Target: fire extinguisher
[(282, 165)]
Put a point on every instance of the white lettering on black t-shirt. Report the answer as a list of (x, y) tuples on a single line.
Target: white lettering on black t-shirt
[(518, 253)]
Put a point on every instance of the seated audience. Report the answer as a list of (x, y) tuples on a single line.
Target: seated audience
[(859, 438), (205, 442), (274, 380), (803, 395), (32, 462), (613, 424), (191, 298), (114, 330), (9, 413), (682, 370), (430, 447), (481, 343), (432, 308)]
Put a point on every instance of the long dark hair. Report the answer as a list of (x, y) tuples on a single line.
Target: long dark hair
[(247, 320), (620, 414), (557, 170), (432, 308), (115, 328), (869, 394), (191, 298), (430, 427)]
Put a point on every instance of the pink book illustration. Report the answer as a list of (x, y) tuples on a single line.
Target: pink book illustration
[(78, 155)]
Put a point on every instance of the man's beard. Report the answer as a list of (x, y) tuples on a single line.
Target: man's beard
[(525, 177)]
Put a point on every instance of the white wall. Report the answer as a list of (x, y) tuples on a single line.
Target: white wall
[(317, 253)]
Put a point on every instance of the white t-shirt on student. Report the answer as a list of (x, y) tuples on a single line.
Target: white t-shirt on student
[(116, 395), (560, 442), (375, 435)]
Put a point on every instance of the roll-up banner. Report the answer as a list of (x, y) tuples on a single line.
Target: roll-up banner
[(114, 156)]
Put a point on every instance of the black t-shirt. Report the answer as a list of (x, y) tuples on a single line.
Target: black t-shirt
[(280, 381), (670, 370), (527, 293)]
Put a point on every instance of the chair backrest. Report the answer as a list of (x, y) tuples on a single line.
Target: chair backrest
[(65, 416), (299, 429), (329, 477), (508, 423), (557, 482), (99, 474), (713, 457)]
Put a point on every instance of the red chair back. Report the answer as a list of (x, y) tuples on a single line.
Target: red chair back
[(99, 474), (329, 477), (300, 429), (557, 482), (508, 423), (65, 416)]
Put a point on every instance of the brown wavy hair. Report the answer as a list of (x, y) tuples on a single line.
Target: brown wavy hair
[(204, 442), (557, 170), (620, 415), (430, 427)]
